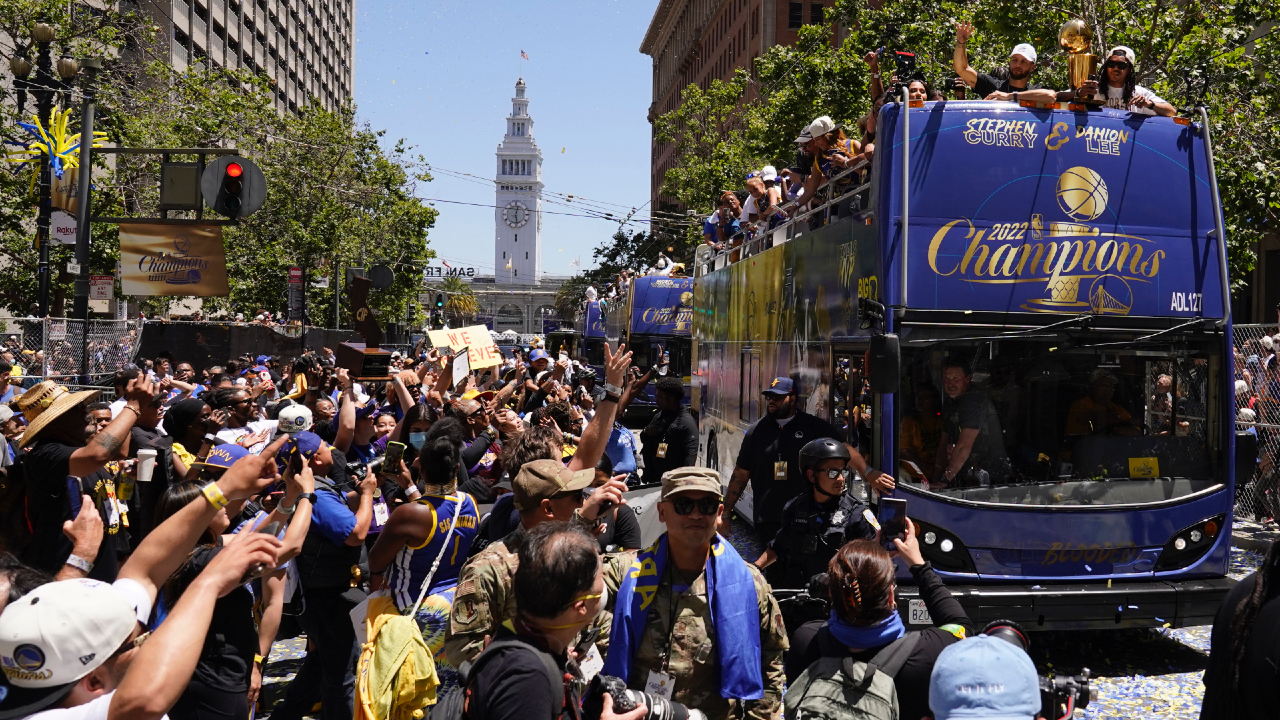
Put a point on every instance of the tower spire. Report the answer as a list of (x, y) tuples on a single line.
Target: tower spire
[(518, 215)]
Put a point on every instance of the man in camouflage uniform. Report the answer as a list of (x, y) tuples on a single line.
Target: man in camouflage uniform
[(545, 490), (681, 661)]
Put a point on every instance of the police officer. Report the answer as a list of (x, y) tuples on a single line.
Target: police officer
[(769, 459), (816, 524)]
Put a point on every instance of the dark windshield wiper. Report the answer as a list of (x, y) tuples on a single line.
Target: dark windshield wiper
[(1146, 338), (1084, 318)]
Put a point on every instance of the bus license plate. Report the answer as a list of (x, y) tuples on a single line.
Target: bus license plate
[(919, 614)]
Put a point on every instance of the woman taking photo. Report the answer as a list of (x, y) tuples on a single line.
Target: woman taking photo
[(864, 619), (416, 541)]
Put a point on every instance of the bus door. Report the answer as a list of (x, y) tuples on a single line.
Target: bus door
[(852, 410), (749, 408)]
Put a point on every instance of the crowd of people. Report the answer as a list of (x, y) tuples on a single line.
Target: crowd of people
[(827, 150), (465, 549)]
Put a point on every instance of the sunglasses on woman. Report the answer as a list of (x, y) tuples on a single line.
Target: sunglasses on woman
[(1116, 64), (683, 505)]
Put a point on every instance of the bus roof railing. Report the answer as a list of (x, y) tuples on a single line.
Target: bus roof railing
[(744, 243)]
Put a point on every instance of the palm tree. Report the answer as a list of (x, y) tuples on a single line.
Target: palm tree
[(461, 305)]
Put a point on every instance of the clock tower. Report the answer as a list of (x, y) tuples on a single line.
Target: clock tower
[(517, 252)]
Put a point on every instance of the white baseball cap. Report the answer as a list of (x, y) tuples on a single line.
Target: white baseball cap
[(821, 126), (1127, 52), (57, 634), (769, 173), (295, 419), (1025, 50)]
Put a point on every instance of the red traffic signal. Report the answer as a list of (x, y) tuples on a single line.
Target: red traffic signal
[(233, 186)]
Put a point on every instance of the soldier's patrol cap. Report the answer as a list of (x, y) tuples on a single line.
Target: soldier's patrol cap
[(686, 479), (543, 479)]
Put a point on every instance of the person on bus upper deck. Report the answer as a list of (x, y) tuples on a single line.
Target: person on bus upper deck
[(1015, 87), (972, 448), (831, 152), (770, 454), (1122, 90), (722, 224), (1096, 413)]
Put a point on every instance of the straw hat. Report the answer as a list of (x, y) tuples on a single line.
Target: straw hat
[(43, 403)]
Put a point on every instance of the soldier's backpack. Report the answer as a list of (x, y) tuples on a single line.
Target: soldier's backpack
[(841, 688), (455, 703)]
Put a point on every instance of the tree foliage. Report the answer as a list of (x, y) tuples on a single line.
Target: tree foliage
[(1191, 53), (336, 196)]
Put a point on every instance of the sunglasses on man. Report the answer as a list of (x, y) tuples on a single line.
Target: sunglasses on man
[(833, 473), (1116, 64), (684, 505)]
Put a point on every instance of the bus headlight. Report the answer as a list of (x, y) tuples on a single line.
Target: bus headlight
[(943, 548), (1189, 544)]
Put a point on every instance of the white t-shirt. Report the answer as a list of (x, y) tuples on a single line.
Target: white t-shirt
[(749, 209), (97, 709), (232, 435), (1115, 99)]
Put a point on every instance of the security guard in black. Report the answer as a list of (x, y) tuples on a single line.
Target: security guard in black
[(816, 524), (770, 456)]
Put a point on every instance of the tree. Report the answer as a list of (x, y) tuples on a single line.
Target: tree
[(1190, 53), (462, 306), (570, 295)]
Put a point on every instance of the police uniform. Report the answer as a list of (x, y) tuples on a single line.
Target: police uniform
[(811, 534), (771, 453)]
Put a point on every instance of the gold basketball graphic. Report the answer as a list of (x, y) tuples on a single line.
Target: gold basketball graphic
[(686, 298), (1081, 193)]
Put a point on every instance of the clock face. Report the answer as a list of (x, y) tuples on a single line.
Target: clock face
[(516, 214)]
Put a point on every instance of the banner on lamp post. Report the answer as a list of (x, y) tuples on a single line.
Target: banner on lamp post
[(172, 260)]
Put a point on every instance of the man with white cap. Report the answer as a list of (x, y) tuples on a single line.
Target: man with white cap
[(1015, 87), (1122, 90), (75, 649)]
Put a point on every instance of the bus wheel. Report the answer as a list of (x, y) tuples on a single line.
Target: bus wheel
[(713, 452)]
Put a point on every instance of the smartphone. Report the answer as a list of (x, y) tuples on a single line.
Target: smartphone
[(893, 522), (395, 452), (604, 506), (257, 569)]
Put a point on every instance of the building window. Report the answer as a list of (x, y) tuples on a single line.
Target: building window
[(526, 256), (815, 14), (515, 273), (517, 237), (795, 16), (504, 254)]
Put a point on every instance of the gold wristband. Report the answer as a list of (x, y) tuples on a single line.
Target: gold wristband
[(134, 409), (214, 495)]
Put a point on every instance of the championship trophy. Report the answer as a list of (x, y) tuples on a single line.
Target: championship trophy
[(365, 361), (1076, 38)]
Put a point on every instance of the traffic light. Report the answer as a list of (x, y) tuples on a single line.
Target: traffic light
[(440, 301), (233, 186)]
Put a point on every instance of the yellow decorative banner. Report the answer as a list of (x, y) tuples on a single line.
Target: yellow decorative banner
[(476, 338), (172, 260)]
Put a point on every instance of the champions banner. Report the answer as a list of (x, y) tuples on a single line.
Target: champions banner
[(172, 260), (481, 351)]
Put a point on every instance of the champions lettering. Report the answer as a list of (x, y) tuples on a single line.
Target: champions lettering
[(1049, 260), (172, 268), (681, 318), (1001, 133)]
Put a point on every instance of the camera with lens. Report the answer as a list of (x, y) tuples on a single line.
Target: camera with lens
[(905, 70), (625, 701), (1059, 696)]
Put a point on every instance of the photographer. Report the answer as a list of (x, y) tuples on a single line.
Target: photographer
[(983, 677), (723, 224), (528, 674), (1240, 679), (865, 621)]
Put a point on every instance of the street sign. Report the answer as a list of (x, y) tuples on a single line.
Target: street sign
[(73, 267), (101, 287), (295, 275), (57, 329)]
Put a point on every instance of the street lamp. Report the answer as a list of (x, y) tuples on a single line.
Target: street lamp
[(45, 87)]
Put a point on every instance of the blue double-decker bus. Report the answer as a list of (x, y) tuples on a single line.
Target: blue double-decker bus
[(655, 319), (1042, 290)]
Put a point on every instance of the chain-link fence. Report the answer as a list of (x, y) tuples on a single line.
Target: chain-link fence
[(1257, 391), (55, 348)]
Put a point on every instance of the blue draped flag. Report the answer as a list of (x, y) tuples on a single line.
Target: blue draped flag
[(735, 616)]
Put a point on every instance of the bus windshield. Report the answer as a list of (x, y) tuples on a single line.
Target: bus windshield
[(1040, 422)]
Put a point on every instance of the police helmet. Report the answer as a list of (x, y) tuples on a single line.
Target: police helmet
[(815, 451)]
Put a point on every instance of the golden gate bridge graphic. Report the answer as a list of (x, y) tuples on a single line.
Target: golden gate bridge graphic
[(1113, 300)]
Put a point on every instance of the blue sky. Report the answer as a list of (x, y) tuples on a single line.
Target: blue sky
[(442, 75)]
